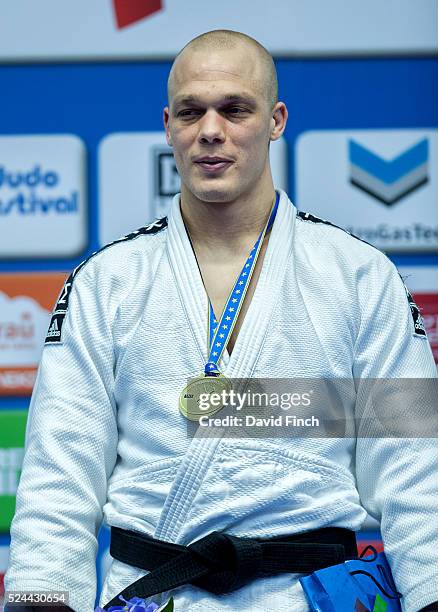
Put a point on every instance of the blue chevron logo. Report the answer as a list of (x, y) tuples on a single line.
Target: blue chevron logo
[(389, 181)]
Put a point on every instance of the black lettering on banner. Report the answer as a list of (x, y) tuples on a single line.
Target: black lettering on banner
[(54, 333)]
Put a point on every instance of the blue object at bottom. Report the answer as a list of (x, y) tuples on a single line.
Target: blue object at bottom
[(353, 587)]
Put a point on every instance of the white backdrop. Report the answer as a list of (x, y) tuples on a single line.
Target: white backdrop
[(62, 29), (403, 163)]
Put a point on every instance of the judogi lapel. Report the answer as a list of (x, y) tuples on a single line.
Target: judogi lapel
[(194, 298), (246, 351)]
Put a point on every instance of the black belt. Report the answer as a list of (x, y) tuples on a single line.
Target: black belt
[(220, 563)]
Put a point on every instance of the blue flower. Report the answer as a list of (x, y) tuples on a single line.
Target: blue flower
[(136, 604)]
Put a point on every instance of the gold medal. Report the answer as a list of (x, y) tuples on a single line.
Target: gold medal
[(195, 399)]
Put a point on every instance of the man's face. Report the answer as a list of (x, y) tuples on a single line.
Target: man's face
[(219, 123)]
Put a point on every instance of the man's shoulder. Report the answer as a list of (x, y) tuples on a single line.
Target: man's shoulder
[(109, 274), (329, 241), (141, 239), (110, 258)]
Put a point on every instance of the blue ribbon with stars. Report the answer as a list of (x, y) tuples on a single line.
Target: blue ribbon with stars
[(220, 332)]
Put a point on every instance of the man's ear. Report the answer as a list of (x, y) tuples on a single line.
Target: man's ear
[(166, 125), (279, 120)]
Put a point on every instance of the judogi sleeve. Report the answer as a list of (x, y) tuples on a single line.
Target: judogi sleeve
[(70, 451), (397, 475)]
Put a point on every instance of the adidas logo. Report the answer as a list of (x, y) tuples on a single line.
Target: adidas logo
[(54, 332)]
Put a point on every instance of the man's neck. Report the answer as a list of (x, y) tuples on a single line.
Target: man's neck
[(222, 228)]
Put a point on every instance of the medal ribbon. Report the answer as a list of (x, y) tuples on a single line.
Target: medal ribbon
[(220, 332)]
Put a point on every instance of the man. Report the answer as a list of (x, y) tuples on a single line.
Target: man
[(104, 426)]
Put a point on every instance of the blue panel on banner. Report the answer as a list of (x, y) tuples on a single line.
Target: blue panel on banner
[(388, 171), (92, 100)]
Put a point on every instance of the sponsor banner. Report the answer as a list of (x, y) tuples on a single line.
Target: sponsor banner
[(138, 179), (141, 28), (26, 301), (12, 432), (423, 284), (43, 211), (380, 185)]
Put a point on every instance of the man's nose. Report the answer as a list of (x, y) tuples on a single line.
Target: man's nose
[(211, 128)]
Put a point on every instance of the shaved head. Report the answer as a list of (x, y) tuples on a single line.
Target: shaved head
[(222, 115), (228, 40)]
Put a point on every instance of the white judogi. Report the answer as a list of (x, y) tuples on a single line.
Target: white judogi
[(105, 431)]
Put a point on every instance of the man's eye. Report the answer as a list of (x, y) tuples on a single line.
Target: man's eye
[(235, 110), (189, 112)]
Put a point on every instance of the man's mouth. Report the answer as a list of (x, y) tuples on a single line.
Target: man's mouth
[(213, 164)]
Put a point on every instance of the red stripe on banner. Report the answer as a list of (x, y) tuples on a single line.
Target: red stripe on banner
[(428, 304), (362, 544), (128, 12), (17, 381)]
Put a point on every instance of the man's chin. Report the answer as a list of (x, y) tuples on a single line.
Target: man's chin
[(217, 197), (216, 194)]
